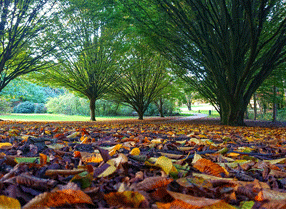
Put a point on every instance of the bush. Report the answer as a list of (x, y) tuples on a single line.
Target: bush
[(68, 104), (5, 106), (24, 107), (40, 108)]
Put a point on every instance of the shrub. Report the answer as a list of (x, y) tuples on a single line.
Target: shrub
[(40, 108), (5, 106), (24, 107), (68, 104)]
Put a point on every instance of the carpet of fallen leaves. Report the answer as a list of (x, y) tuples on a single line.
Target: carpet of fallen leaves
[(128, 164)]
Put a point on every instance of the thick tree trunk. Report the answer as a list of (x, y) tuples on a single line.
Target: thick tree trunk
[(233, 113), (92, 108), (140, 116)]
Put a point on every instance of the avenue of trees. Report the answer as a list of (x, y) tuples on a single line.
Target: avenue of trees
[(228, 51)]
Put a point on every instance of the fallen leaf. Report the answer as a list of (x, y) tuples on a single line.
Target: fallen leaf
[(153, 183), (128, 199), (135, 151), (58, 198), (164, 163), (9, 202), (208, 167)]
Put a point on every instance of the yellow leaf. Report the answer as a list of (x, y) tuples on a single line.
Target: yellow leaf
[(135, 151), (164, 163), (73, 135), (9, 202), (110, 170), (4, 145), (196, 158), (232, 154), (276, 161), (156, 141), (115, 149)]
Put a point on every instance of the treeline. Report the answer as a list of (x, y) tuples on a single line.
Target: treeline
[(150, 52)]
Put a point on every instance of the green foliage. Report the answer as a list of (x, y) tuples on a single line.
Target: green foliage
[(40, 108), (169, 109), (24, 107), (110, 108), (5, 106), (20, 89), (225, 49), (68, 104), (26, 37)]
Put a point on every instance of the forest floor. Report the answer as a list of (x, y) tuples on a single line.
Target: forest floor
[(155, 163)]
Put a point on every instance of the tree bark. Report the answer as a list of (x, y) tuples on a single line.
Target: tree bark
[(233, 113), (92, 108), (255, 106), (140, 116), (274, 116), (161, 108)]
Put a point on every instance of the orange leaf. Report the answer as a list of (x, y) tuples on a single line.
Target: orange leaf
[(126, 199), (43, 159), (153, 183), (209, 167), (58, 198), (77, 154)]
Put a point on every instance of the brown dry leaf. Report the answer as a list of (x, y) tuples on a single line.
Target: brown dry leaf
[(153, 183), (119, 160), (277, 204), (9, 202), (175, 204), (53, 172), (209, 167), (267, 194), (58, 198), (200, 202), (124, 199), (277, 174)]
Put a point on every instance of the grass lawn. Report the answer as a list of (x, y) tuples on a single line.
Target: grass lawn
[(55, 117)]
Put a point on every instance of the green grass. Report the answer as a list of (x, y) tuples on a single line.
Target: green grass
[(55, 117)]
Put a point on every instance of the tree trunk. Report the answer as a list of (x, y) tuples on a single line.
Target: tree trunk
[(255, 106), (233, 113), (189, 104), (161, 108), (92, 108), (274, 117), (140, 115)]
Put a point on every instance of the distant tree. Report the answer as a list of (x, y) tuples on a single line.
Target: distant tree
[(25, 37), (227, 48), (142, 80), (20, 89), (87, 62)]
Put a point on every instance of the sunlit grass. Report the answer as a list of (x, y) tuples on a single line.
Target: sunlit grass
[(55, 117)]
